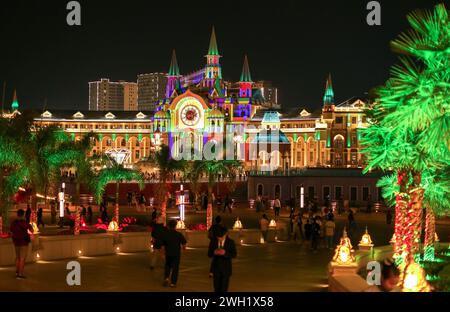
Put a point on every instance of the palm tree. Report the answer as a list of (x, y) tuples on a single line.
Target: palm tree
[(167, 167), (12, 172), (115, 173), (212, 169), (409, 132)]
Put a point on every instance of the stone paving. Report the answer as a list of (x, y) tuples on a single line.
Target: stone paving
[(263, 268)]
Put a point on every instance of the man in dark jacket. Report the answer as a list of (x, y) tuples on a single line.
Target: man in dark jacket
[(21, 239), (158, 230), (173, 241), (221, 249)]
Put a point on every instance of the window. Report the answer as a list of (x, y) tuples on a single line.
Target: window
[(353, 193), (365, 193), (339, 120), (260, 190), (326, 192), (311, 192), (277, 191), (123, 143), (338, 192), (353, 120), (137, 154)]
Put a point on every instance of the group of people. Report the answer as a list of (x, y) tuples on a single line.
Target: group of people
[(168, 244), (263, 204)]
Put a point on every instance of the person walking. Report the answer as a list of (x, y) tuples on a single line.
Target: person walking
[(39, 217), (351, 225), (158, 230), (21, 239), (222, 250), (308, 230), (173, 241), (219, 203), (212, 233), (330, 228), (28, 214), (259, 204), (277, 206), (264, 226), (315, 235), (89, 215), (227, 204), (53, 214)]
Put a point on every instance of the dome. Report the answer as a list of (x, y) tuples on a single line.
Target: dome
[(162, 115), (215, 113)]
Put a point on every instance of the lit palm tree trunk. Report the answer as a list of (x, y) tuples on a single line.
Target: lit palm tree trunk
[(430, 234), (116, 209), (209, 210), (400, 211)]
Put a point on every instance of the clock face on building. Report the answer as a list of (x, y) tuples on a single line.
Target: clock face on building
[(190, 115)]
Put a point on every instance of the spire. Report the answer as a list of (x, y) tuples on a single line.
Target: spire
[(213, 50), (174, 70), (15, 103), (245, 76), (329, 93)]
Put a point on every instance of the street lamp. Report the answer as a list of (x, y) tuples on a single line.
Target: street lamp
[(302, 197), (61, 204)]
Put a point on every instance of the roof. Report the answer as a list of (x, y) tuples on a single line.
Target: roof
[(174, 70), (215, 113), (162, 115), (269, 136), (245, 75), (332, 172), (52, 114), (213, 49), (294, 114)]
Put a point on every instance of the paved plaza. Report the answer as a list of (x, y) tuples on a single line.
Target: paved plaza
[(280, 266)]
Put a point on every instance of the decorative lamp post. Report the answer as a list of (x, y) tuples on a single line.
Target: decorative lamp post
[(302, 197), (343, 261), (61, 206), (181, 204), (415, 279), (273, 224), (366, 241), (113, 226), (237, 224)]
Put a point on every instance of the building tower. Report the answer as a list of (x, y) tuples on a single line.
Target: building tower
[(328, 98), (213, 69), (173, 76), (15, 103), (245, 83)]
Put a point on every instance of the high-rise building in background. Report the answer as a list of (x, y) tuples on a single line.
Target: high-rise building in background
[(110, 95), (130, 96), (151, 89)]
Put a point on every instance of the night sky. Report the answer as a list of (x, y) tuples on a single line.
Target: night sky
[(293, 43)]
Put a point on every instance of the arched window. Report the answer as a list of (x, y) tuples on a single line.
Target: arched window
[(277, 191), (260, 190)]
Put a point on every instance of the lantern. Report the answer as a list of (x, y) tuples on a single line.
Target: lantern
[(344, 253), (415, 280), (237, 225), (113, 226), (180, 225), (272, 224), (366, 241)]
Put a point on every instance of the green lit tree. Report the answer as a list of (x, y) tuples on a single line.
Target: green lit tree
[(212, 169), (167, 167), (115, 173), (409, 132), (12, 172)]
